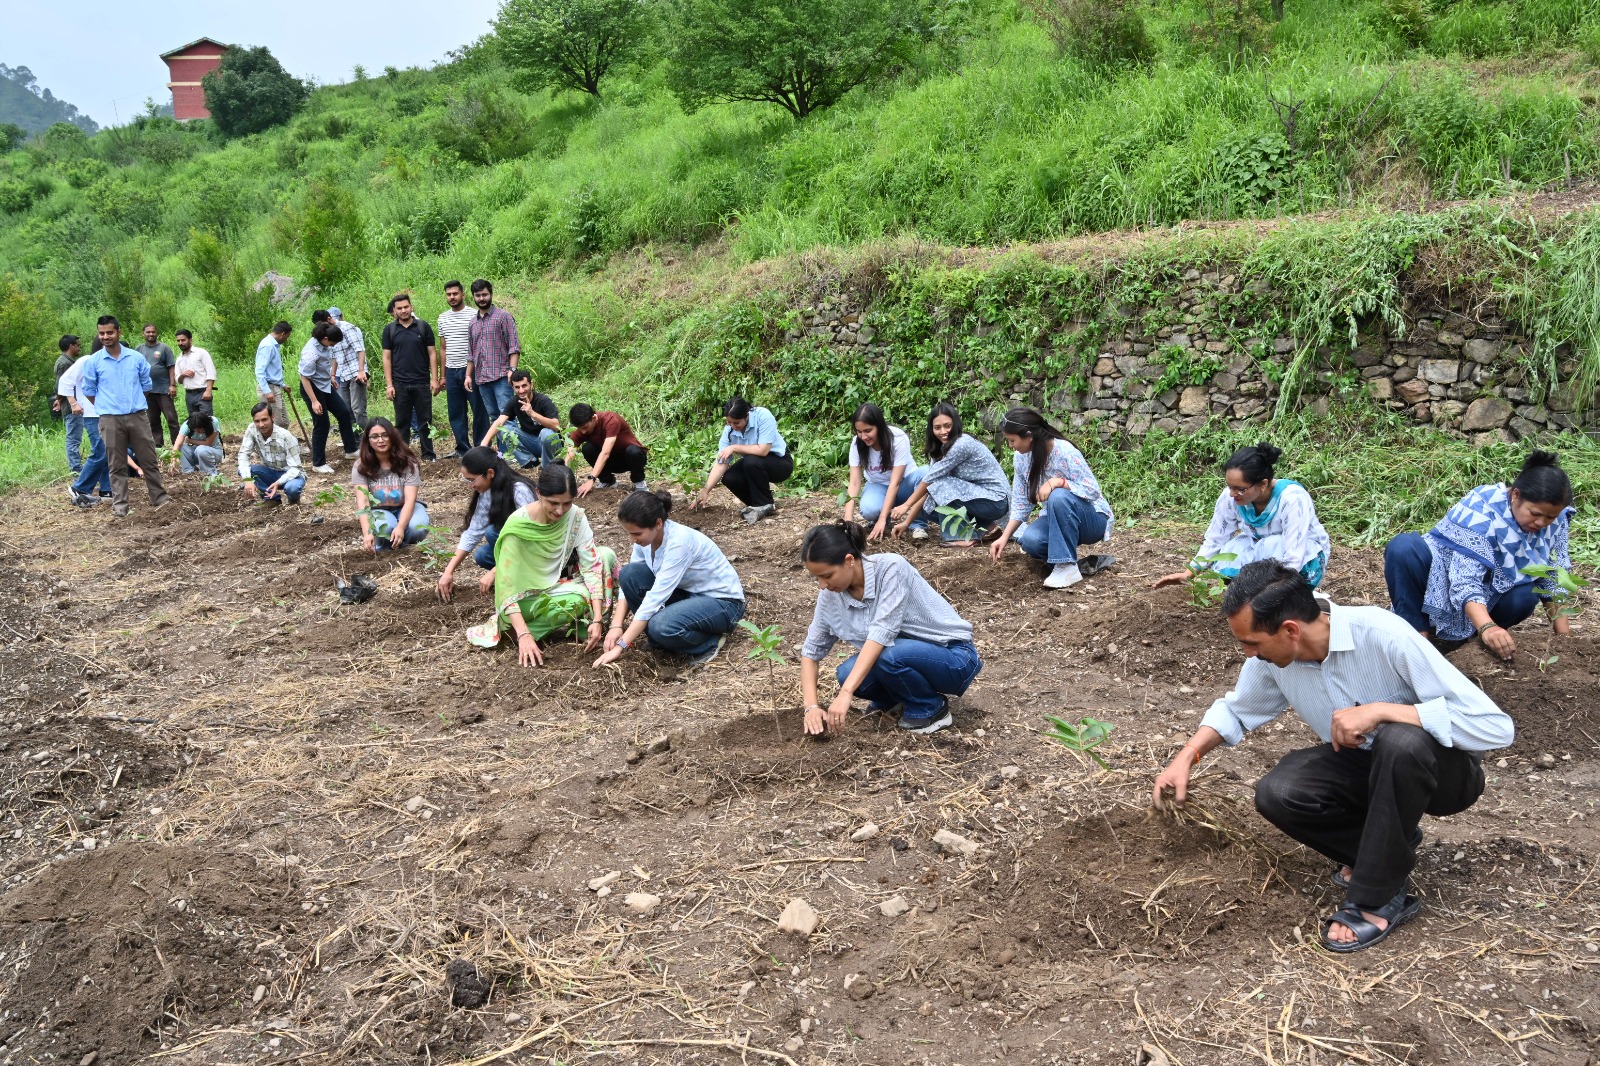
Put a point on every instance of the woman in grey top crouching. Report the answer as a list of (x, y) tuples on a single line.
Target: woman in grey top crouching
[(913, 650)]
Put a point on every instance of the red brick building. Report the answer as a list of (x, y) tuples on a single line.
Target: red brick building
[(185, 67)]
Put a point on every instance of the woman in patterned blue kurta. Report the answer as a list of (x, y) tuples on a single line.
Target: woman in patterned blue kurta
[(1469, 573)]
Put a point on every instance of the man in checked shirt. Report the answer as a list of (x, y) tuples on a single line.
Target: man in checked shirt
[(493, 348), (1403, 734)]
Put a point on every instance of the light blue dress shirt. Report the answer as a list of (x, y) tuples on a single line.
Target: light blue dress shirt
[(116, 382), (760, 428), (269, 364)]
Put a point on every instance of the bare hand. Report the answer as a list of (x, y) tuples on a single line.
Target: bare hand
[(1048, 487), (1164, 580), (436, 387), (1351, 726), (611, 656), (467, 384), (250, 491), (316, 408), (369, 542), (272, 492), (878, 528), (584, 489), (390, 392), (596, 635), (837, 711), (1499, 641), (815, 721), (486, 583), (398, 537), (528, 653), (998, 547), (1172, 784), (447, 583), (612, 636)]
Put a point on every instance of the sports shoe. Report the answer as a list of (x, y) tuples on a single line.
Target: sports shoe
[(640, 486), (1063, 576), (706, 659), (83, 501), (880, 708), (323, 469), (74, 494), (928, 725), (919, 533), (352, 455), (752, 515)]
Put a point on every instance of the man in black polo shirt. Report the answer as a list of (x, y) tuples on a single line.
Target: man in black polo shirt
[(411, 368), (538, 424)]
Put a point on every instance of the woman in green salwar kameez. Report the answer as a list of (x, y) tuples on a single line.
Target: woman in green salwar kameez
[(550, 577)]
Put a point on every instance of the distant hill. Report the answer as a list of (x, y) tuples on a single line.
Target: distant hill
[(34, 108)]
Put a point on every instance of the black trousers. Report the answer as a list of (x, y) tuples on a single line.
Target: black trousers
[(1361, 808), (632, 459), (159, 404), (417, 399), (752, 477), (332, 404)]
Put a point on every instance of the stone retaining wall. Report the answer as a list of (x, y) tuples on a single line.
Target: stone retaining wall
[(1459, 371)]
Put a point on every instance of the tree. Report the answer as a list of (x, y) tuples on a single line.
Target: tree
[(11, 136), (569, 44), (325, 229), (251, 92), (802, 55), (242, 311)]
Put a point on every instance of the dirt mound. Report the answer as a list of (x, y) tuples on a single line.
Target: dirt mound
[(1161, 633), (1154, 884), (1547, 688), (71, 760), (121, 947)]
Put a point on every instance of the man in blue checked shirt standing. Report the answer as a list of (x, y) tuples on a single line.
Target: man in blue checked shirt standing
[(269, 372), (115, 380), (1403, 734)]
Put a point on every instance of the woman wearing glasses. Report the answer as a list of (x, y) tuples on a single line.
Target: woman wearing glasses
[(1260, 516)]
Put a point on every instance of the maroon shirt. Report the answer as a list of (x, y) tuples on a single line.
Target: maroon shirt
[(608, 424)]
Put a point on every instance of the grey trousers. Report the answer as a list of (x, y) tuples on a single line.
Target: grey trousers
[(354, 393)]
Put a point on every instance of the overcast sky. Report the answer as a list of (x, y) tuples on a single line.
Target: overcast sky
[(102, 55)]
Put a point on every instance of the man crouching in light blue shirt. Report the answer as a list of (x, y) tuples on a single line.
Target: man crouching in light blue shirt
[(1403, 735)]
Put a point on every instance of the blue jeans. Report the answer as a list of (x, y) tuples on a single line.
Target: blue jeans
[(384, 521), (918, 674), (265, 477), (74, 424), (96, 473), (1406, 562), (484, 555), (688, 624), (983, 512), (458, 403), (544, 448), (873, 494), (496, 395), (1067, 521)]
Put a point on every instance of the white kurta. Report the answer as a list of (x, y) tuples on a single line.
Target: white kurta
[(1294, 536)]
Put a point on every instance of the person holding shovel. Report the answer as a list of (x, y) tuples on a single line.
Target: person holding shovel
[(1403, 734)]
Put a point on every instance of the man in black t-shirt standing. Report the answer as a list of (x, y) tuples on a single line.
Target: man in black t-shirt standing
[(538, 424), (411, 369)]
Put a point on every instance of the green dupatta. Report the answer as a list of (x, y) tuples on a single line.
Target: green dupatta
[(531, 560)]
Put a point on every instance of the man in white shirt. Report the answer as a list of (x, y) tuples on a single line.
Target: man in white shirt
[(455, 329), (1403, 735), (196, 374)]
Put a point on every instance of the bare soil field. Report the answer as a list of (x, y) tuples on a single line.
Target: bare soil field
[(246, 824)]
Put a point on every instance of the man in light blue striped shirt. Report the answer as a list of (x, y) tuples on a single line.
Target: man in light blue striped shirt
[(1403, 735), (752, 456)]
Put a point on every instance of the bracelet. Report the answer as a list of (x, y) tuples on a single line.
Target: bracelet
[(812, 707), (1198, 754), (1491, 624), (521, 635)]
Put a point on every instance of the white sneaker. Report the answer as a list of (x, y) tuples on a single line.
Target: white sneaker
[(641, 486), (323, 469), (1063, 576), (918, 533)]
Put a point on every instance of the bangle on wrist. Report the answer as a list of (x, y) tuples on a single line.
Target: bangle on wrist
[(1490, 624), (1198, 754)]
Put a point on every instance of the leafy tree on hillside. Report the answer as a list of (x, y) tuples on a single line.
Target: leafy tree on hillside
[(569, 44), (802, 55), (242, 311), (24, 102), (251, 92), (11, 136), (325, 230)]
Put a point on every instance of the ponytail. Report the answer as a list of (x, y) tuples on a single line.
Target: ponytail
[(644, 509), (829, 544)]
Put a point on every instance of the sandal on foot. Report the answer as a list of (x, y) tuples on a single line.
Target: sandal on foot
[(1340, 881), (1396, 912)]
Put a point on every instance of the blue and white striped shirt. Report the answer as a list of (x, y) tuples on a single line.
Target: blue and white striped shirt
[(1373, 657), (759, 428), (687, 560), (896, 601)]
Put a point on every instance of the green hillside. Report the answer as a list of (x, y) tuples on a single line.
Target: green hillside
[(990, 137)]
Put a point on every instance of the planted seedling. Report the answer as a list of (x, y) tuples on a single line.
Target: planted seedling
[(1564, 603), (767, 640), (331, 494), (166, 455), (1082, 737), (955, 523), (436, 552), (214, 481), (1204, 583)]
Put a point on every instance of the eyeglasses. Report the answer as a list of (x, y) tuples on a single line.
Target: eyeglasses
[(1236, 493)]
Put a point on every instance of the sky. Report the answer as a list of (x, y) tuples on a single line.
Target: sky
[(103, 56)]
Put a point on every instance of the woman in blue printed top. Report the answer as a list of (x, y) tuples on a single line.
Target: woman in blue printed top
[(1468, 575), (1049, 472), (962, 474), (752, 456), (681, 590), (1259, 516)]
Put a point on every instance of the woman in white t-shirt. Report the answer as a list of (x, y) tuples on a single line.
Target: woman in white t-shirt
[(889, 478)]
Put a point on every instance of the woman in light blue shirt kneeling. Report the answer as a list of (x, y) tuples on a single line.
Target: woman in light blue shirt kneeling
[(913, 651), (752, 456), (1048, 471), (681, 590)]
